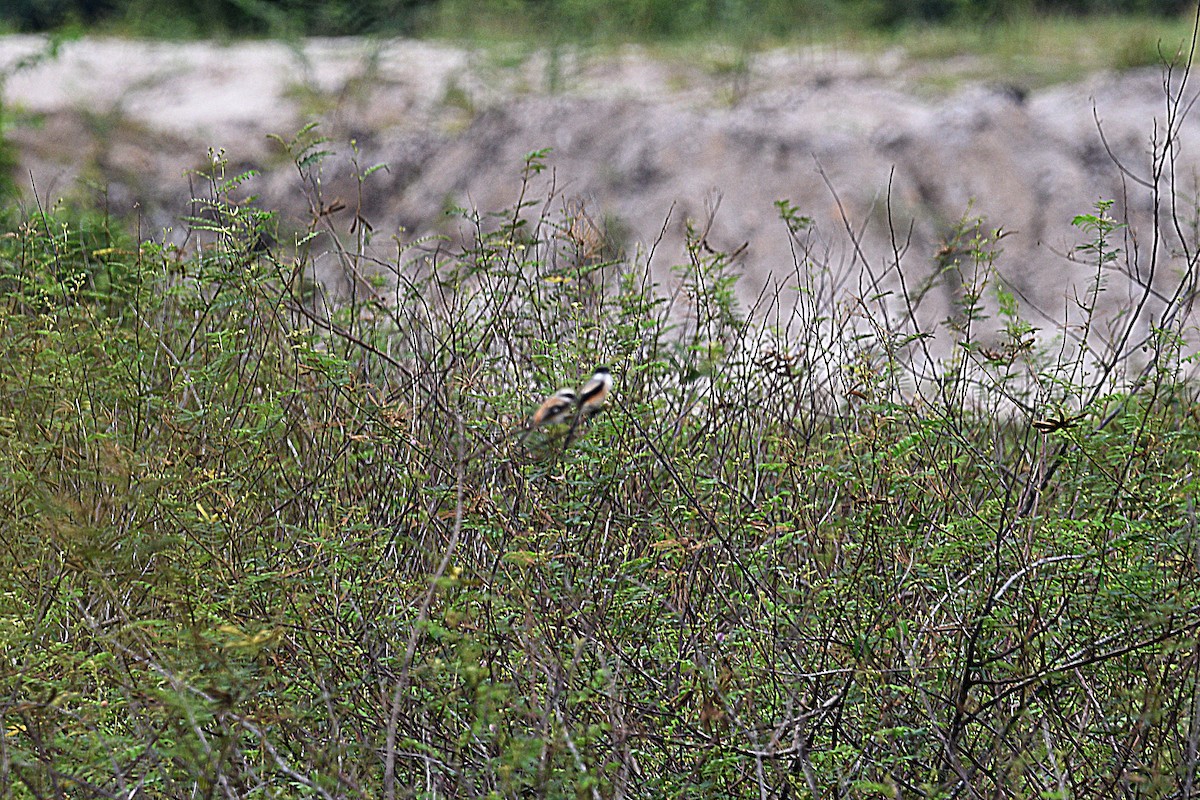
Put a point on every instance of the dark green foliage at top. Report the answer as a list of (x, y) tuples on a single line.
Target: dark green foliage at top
[(636, 19), (219, 17), (40, 15)]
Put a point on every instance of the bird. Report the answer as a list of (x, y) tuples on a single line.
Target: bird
[(589, 400), (554, 409), (593, 394)]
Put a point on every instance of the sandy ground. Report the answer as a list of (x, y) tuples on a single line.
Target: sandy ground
[(850, 140)]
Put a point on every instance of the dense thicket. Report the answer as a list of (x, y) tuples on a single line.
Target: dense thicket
[(627, 18), (265, 545)]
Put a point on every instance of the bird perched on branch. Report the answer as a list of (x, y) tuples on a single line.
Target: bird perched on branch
[(590, 399), (556, 408), (593, 394)]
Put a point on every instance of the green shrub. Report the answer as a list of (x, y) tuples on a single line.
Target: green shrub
[(265, 543)]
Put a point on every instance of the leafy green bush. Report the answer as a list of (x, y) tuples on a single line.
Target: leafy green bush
[(264, 543)]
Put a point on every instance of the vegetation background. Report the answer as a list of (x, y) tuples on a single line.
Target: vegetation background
[(620, 19), (265, 543)]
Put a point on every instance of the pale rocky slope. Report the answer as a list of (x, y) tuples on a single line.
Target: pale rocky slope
[(642, 141)]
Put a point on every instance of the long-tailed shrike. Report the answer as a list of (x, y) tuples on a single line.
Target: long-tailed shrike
[(593, 394), (591, 398), (556, 408)]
